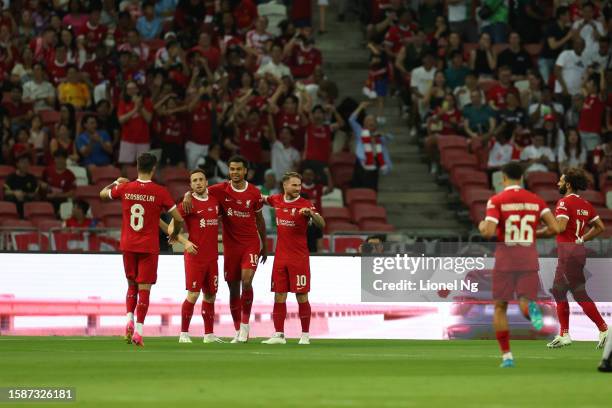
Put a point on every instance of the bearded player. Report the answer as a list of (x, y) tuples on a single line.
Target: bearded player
[(201, 254), (578, 223), (291, 269), (142, 202), (514, 215), (244, 240)]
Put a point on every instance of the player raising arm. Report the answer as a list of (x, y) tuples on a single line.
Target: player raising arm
[(578, 222), (142, 203), (514, 215), (291, 269)]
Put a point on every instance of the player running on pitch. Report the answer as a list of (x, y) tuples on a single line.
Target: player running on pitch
[(142, 202), (244, 240), (291, 269), (578, 222), (201, 254), (514, 214)]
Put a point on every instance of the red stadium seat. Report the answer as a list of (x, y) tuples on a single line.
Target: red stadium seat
[(49, 117), (44, 225), (37, 171), (477, 212), (452, 142), (38, 210), (30, 241), (594, 197), (550, 195), (376, 226), (110, 208), (546, 179), (6, 171), (8, 210), (104, 174), (456, 159), (15, 223), (175, 174), (347, 244), (368, 212), (88, 192), (336, 214), (473, 195), (343, 158), (465, 177), (342, 175), (340, 226), (360, 195)]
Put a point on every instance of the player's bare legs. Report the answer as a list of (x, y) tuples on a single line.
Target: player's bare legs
[(500, 325), (279, 313), (130, 306), (304, 313), (246, 302), (235, 308), (144, 290), (187, 314)]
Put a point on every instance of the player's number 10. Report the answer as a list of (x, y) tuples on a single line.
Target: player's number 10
[(137, 217)]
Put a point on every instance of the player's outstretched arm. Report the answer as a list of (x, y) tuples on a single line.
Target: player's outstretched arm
[(597, 227), (104, 193)]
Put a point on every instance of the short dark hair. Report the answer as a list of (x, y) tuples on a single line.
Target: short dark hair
[(146, 162), (291, 174), (576, 178), (513, 170), (82, 204), (60, 153), (239, 159), (380, 237), (196, 171)]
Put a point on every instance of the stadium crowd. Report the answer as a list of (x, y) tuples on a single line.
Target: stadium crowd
[(93, 83)]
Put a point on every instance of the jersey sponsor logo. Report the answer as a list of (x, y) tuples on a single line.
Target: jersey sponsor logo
[(208, 223), (236, 213), (248, 202), (284, 223)]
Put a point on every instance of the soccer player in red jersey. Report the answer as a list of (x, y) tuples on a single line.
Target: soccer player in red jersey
[(201, 253), (578, 222), (291, 269), (513, 215), (244, 240), (142, 202)]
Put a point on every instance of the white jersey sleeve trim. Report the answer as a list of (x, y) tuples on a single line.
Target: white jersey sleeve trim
[(595, 218), (563, 216), (173, 207), (544, 211), (492, 219)]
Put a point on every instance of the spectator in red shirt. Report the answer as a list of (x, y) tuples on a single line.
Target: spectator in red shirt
[(172, 130), (446, 119), (305, 57), (94, 31), (211, 54), (245, 15), (318, 146), (42, 46), (135, 113), (58, 182), (592, 113), (400, 34), (497, 94), (79, 218), (134, 45)]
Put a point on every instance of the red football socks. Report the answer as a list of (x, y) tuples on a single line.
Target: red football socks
[(186, 314), (304, 312), (503, 338), (142, 306), (235, 311), (130, 298), (279, 313), (590, 310), (208, 314), (246, 300), (563, 314)]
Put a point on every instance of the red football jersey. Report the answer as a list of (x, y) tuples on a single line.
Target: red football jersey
[(142, 203), (318, 143), (59, 182), (250, 143), (579, 213), (517, 213), (238, 210), (291, 226), (202, 224)]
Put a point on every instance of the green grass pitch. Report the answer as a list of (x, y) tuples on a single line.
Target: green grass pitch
[(329, 373)]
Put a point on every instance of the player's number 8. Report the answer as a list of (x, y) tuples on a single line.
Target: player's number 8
[(137, 217), (519, 229)]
